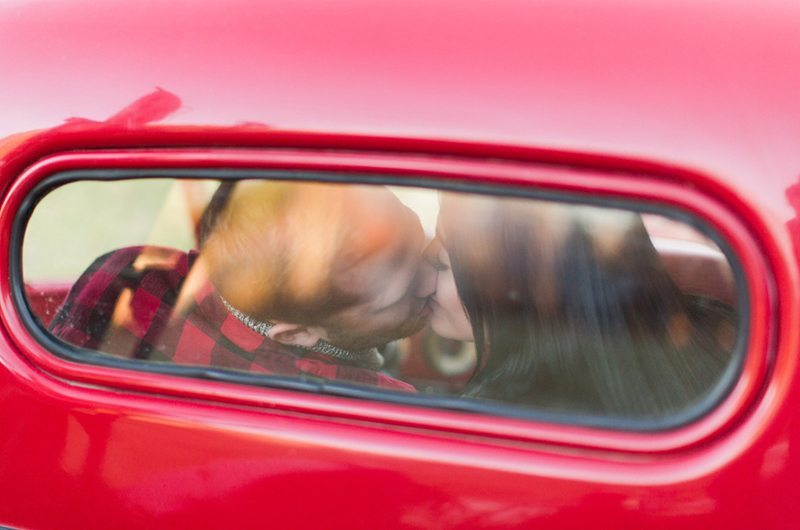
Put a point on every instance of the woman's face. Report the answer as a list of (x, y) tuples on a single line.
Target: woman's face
[(448, 317)]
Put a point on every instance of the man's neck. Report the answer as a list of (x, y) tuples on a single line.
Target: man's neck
[(369, 358)]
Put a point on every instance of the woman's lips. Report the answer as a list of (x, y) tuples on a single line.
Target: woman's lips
[(426, 310)]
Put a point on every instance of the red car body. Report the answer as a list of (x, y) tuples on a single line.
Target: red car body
[(693, 105)]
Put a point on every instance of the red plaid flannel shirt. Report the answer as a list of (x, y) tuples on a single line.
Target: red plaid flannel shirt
[(123, 305)]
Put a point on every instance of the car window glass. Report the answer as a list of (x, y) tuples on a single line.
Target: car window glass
[(561, 306)]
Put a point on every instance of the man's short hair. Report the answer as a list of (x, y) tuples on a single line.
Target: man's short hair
[(289, 251)]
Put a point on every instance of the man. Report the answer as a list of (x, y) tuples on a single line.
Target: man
[(292, 279)]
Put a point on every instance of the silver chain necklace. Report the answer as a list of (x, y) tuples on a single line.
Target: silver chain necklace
[(369, 358)]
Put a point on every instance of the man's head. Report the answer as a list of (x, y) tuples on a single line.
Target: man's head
[(325, 262)]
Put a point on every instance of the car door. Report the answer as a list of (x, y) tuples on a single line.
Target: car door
[(133, 443)]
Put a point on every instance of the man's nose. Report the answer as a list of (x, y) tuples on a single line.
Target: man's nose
[(426, 281)]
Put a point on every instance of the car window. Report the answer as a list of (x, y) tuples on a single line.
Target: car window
[(564, 306)]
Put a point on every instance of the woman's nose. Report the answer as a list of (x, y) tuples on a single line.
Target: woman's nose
[(425, 285)]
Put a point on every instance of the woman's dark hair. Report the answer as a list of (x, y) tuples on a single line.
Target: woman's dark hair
[(573, 311)]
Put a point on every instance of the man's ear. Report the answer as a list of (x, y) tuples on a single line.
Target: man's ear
[(295, 334)]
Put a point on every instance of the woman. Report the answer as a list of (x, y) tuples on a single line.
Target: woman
[(571, 309)]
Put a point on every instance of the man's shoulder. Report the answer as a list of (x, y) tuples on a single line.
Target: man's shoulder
[(138, 264), (147, 257), (150, 269)]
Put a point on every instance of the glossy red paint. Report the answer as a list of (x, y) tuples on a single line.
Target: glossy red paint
[(688, 104)]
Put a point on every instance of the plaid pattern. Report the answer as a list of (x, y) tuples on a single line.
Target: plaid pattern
[(124, 305)]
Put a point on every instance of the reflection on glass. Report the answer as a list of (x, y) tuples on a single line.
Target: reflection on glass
[(546, 305)]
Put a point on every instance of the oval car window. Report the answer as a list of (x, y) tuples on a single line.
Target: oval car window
[(526, 304)]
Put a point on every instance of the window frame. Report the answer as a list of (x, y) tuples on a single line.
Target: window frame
[(587, 185)]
